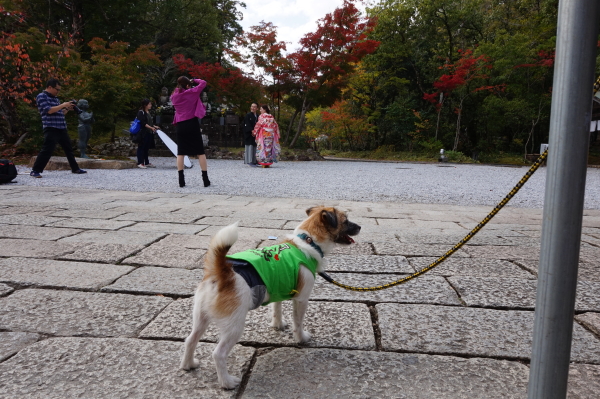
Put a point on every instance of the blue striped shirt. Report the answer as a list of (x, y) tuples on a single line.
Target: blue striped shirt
[(45, 101)]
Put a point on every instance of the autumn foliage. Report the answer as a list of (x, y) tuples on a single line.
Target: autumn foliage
[(230, 86)]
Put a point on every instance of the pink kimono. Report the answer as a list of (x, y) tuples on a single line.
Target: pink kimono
[(266, 132)]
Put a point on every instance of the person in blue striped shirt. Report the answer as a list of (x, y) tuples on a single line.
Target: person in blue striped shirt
[(55, 128)]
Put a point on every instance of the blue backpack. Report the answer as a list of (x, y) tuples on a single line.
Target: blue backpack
[(136, 126)]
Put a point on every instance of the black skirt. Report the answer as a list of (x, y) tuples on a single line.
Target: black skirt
[(189, 138)]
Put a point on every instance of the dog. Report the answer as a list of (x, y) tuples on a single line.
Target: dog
[(235, 284)]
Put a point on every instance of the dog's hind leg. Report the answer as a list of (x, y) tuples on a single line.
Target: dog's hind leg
[(199, 324), (277, 317), (300, 335), (230, 331), (300, 303)]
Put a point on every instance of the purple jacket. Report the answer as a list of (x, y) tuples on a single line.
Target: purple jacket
[(187, 102)]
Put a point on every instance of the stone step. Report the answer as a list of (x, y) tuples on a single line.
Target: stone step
[(61, 163)]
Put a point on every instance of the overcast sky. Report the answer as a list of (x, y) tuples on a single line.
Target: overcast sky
[(293, 18)]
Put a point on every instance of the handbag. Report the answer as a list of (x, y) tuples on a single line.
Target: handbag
[(8, 171), (135, 127)]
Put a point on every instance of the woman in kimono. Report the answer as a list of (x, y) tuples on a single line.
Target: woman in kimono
[(266, 132)]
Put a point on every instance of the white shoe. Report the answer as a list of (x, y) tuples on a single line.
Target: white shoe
[(142, 166)]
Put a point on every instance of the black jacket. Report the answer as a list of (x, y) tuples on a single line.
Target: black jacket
[(146, 134), (249, 122)]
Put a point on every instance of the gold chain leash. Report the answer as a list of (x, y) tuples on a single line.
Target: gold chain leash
[(462, 242)]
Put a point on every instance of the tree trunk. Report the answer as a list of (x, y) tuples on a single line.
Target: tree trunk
[(18, 143), (301, 122), (8, 117), (458, 125), (531, 136), (437, 124), (289, 130), (78, 22)]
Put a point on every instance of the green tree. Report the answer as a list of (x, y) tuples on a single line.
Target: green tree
[(112, 80)]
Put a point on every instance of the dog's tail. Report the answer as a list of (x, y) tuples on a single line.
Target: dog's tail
[(215, 264)]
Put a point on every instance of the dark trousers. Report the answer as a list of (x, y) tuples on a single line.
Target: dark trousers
[(143, 148), (53, 136)]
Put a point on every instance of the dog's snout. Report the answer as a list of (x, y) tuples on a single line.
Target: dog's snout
[(353, 229)]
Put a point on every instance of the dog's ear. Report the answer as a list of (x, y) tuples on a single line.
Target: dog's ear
[(311, 210), (330, 218)]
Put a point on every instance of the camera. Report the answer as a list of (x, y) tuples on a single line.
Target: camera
[(75, 107)]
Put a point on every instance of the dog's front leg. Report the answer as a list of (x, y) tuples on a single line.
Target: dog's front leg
[(277, 316)]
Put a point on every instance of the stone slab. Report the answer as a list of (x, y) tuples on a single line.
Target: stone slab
[(247, 222), (453, 238), (584, 381), (24, 209), (35, 232), (403, 224), (518, 293), (470, 332), (591, 321), (396, 248), (5, 289), (35, 248), (341, 325), (202, 242), (471, 267), (158, 280), (360, 248), (162, 217), (12, 342), (105, 253), (61, 163), (167, 228), (588, 271), (114, 237), (424, 289), (31, 219), (91, 224), (368, 264), (167, 256), (59, 274), (67, 313), (503, 252), (332, 373), (117, 368), (88, 213)]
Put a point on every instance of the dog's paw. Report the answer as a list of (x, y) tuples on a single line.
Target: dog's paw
[(302, 336), (191, 365), (230, 382), (279, 325)]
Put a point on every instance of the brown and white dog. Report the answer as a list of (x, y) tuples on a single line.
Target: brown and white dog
[(225, 294)]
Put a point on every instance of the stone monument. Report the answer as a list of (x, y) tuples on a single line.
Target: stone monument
[(164, 97), (85, 126)]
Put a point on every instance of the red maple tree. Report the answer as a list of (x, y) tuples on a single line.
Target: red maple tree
[(230, 85), (329, 54), (467, 69)]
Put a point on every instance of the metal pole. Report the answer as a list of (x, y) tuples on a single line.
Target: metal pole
[(563, 204)]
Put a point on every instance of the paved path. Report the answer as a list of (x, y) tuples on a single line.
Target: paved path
[(96, 288)]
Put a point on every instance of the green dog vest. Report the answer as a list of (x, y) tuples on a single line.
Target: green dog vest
[(278, 266)]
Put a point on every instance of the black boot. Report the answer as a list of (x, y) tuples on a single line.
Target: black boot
[(205, 178), (181, 178)]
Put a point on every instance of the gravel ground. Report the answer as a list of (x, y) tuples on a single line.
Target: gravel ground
[(338, 180)]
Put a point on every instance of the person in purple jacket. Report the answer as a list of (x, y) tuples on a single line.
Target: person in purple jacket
[(188, 108)]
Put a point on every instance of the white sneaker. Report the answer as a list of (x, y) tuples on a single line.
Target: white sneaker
[(142, 166)]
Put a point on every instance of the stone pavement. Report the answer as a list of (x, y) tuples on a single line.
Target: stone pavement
[(96, 293)]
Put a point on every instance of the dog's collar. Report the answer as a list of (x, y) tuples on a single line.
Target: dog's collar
[(311, 242)]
